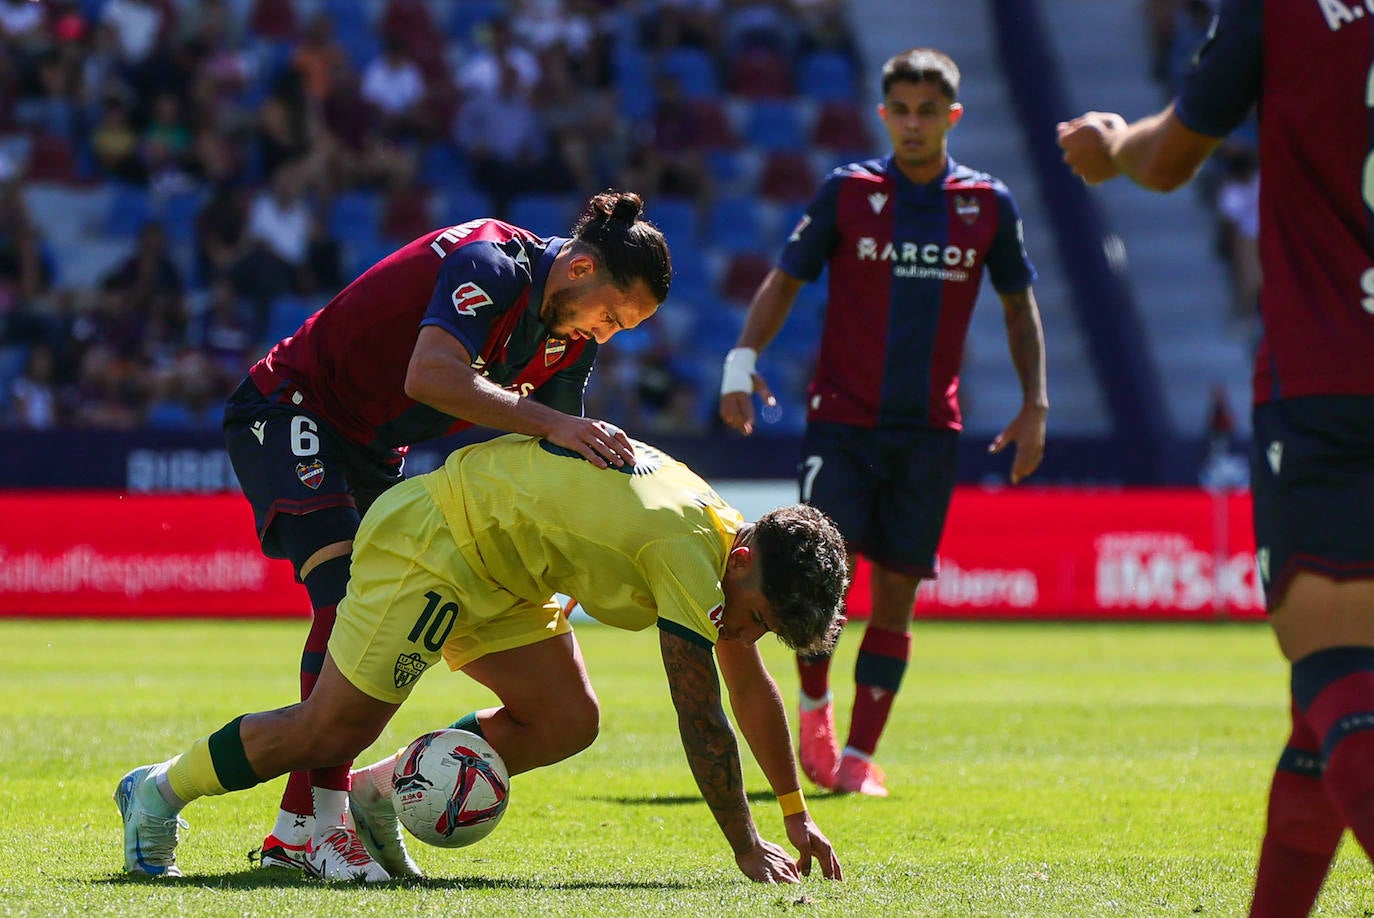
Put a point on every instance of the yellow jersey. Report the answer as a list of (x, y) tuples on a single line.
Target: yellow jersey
[(636, 547)]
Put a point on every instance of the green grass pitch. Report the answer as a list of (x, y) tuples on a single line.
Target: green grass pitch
[(1036, 769)]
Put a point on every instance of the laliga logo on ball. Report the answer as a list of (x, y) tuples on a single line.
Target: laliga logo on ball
[(450, 788)]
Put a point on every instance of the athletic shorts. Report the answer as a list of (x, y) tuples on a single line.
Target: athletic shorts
[(1312, 478), (290, 460), (413, 597), (888, 490)]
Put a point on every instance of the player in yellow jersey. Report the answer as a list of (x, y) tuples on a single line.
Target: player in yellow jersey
[(462, 564)]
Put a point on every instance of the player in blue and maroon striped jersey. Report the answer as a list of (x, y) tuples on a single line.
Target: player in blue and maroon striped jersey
[(1308, 64), (907, 239), (481, 323)]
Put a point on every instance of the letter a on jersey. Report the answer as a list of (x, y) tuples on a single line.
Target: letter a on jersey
[(468, 298)]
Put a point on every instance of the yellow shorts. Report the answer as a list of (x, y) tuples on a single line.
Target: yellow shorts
[(413, 597)]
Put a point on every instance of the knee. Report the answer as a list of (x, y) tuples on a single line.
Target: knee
[(578, 723), (332, 743)]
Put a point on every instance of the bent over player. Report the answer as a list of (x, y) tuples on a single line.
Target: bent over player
[(492, 536), (481, 323), (1309, 67), (907, 238)]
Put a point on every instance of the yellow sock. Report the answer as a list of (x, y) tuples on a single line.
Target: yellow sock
[(192, 774)]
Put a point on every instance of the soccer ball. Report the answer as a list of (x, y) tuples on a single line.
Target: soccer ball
[(450, 788)]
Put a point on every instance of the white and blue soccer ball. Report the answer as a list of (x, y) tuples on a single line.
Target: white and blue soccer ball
[(450, 788)]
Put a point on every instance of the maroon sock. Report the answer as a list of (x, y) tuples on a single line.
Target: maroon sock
[(1335, 688), (326, 584), (815, 675), (1302, 832), (878, 674)]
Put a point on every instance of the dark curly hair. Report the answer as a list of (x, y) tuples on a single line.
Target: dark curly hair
[(804, 575), (613, 227)]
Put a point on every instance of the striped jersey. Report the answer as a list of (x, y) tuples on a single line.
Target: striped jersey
[(1309, 64), (905, 264), (482, 282)]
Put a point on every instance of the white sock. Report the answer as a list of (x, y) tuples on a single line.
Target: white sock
[(293, 828), (164, 802), (330, 806), (815, 704), (375, 779)]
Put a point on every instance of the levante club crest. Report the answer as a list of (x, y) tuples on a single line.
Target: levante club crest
[(967, 208), (311, 474), (553, 351)]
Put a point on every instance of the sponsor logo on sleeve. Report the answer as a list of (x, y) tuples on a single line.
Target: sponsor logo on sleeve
[(468, 298)]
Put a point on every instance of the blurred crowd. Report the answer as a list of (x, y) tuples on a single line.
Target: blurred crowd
[(1230, 182), (252, 156)]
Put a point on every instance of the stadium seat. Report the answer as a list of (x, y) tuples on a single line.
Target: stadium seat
[(736, 224), (13, 357), (840, 126), (285, 315), (51, 159), (676, 218), (177, 211), (170, 415), (826, 76), (760, 73), (633, 81), (273, 19), (467, 17), (714, 130), (459, 205), (545, 214), (774, 124), (787, 177), (130, 208), (406, 215), (734, 171), (743, 274), (355, 215), (694, 70)]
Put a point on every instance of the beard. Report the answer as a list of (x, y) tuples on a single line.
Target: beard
[(558, 312)]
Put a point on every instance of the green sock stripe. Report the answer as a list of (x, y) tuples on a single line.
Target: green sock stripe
[(470, 723), (229, 759)]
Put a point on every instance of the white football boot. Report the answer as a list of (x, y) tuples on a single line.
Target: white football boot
[(340, 856), (150, 838)]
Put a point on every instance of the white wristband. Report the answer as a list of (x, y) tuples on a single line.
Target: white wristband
[(739, 370)]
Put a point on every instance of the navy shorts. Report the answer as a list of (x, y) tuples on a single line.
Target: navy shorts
[(289, 460), (1312, 477), (887, 490)]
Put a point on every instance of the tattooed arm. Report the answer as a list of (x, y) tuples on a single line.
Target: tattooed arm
[(713, 755), (1026, 340)]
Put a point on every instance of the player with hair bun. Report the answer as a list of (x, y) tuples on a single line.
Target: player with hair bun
[(483, 323)]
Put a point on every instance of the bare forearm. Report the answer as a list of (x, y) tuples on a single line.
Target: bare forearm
[(1026, 342), (713, 755), (769, 309), (762, 718), (483, 402), (1158, 153)]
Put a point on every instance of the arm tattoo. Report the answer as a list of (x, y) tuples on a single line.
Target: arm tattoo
[(1026, 339), (707, 738)]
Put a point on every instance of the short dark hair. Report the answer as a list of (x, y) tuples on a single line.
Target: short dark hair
[(922, 65), (627, 245), (804, 575)]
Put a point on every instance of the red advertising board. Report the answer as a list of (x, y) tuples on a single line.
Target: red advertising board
[(101, 554), (1053, 552)]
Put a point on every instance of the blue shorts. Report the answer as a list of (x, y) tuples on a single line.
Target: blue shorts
[(888, 490), (289, 460), (1312, 478)]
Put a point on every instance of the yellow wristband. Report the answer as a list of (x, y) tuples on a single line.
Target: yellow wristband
[(792, 803)]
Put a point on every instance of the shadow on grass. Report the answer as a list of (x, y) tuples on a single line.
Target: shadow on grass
[(754, 797), (258, 878)]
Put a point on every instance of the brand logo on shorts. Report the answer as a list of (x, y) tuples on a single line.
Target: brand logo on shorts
[(553, 351), (259, 429), (409, 666), (1262, 564), (1275, 455), (311, 474)]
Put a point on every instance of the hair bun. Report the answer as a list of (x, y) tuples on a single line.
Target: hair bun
[(628, 207)]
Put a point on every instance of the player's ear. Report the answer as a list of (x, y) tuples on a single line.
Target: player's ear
[(956, 111), (741, 558), (582, 266)]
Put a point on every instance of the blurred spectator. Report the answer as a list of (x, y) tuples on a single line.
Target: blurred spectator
[(284, 127), (483, 74), (24, 272), (405, 210), (149, 273), (115, 143), (353, 151), (48, 106), (135, 25), (393, 85), (667, 159), (33, 398), (110, 391), (220, 231), (278, 240), (319, 58), (667, 398), (323, 260), (505, 143), (223, 332), (166, 143), (1238, 211), (668, 24)]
